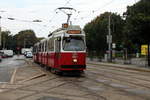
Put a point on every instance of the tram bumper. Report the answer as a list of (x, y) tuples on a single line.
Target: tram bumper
[(73, 67)]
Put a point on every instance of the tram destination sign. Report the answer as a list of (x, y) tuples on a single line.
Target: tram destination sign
[(74, 32)]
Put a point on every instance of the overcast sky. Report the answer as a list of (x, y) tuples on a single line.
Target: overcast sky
[(25, 11)]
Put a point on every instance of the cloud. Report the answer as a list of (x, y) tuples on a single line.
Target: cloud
[(44, 10)]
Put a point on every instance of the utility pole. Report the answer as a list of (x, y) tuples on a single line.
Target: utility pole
[(109, 41)]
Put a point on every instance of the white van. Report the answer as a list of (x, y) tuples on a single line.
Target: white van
[(24, 50), (9, 53)]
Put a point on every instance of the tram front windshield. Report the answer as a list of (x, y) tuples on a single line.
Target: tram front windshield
[(73, 44)]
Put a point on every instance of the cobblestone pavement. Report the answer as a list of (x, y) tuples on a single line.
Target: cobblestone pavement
[(100, 82)]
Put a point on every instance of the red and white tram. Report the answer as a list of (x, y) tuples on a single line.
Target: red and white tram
[(63, 50)]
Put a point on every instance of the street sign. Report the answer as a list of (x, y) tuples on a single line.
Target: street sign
[(114, 45), (144, 50), (109, 38)]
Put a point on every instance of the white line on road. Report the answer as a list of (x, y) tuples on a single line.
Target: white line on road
[(13, 76)]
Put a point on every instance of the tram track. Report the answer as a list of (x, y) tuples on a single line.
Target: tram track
[(133, 69), (84, 88), (116, 88), (67, 80), (121, 79), (93, 78), (124, 76), (129, 75), (41, 91), (124, 72), (109, 77)]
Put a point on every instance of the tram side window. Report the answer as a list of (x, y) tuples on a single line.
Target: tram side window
[(40, 47), (51, 45), (57, 46), (45, 46), (35, 49)]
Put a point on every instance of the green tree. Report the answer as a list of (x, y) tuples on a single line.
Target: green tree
[(97, 30), (137, 23), (25, 38), (7, 40)]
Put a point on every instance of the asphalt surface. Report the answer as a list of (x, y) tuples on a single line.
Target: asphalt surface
[(99, 82), (7, 67)]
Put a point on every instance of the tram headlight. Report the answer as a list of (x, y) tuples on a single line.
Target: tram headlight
[(75, 60)]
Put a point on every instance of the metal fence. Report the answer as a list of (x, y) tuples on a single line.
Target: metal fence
[(120, 57)]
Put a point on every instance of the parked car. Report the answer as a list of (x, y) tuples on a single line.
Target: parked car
[(29, 54), (25, 53), (7, 53), (3, 55)]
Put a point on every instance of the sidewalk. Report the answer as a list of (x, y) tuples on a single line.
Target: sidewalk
[(127, 66)]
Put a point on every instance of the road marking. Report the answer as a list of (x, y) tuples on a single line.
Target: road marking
[(13, 76)]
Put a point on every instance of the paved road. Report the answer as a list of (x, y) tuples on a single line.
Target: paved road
[(7, 67), (100, 82)]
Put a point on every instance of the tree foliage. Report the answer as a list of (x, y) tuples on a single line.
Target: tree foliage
[(97, 30), (25, 38), (7, 40), (138, 22)]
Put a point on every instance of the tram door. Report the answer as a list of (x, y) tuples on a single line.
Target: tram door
[(57, 52)]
